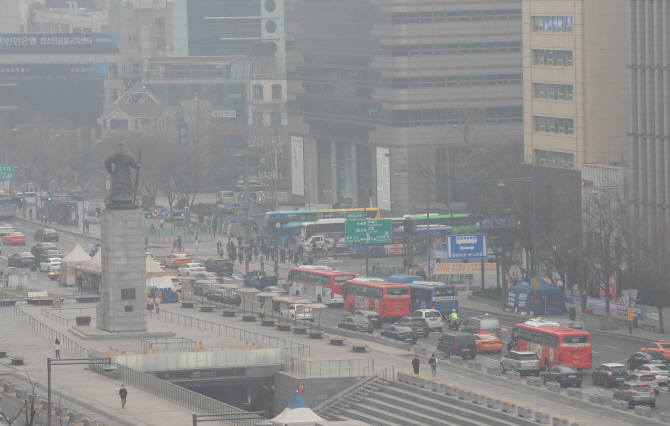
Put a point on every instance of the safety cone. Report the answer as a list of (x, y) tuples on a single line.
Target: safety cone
[(53, 303)]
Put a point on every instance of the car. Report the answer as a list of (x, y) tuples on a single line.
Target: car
[(297, 311), (635, 394), (225, 197), (609, 374), (397, 332), (661, 347), (176, 260), (49, 264), (357, 323), (279, 291), (482, 325), (45, 246), (5, 229), (646, 379), (565, 375), (419, 325), (46, 234), (642, 358), (457, 343), (177, 283), (488, 343), (523, 362), (432, 316), (253, 278), (373, 316), (14, 237), (94, 250), (219, 266), (160, 265), (187, 268), (660, 371), (51, 254), (207, 276), (21, 259), (221, 295), (203, 289)]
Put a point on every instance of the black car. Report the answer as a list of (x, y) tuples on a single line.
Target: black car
[(253, 278), (373, 316), (49, 254), (609, 374), (229, 297), (21, 259), (457, 343), (219, 266), (46, 234), (45, 246), (419, 325), (396, 332), (565, 375), (361, 324), (647, 357)]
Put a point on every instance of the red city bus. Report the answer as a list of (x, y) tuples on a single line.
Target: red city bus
[(553, 343), (373, 294), (319, 284)]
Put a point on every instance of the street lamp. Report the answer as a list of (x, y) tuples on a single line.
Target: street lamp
[(245, 154), (530, 179), (448, 171), (105, 362), (629, 254), (425, 171)]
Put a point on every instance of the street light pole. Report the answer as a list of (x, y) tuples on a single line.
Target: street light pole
[(246, 195)]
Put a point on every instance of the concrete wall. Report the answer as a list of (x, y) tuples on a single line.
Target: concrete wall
[(317, 390), (194, 360)]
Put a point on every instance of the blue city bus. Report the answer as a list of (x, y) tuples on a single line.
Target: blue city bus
[(8, 204), (433, 295), (403, 279)]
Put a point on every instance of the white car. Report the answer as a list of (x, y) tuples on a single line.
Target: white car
[(298, 311), (659, 370), (50, 264), (5, 229), (432, 316), (191, 267)]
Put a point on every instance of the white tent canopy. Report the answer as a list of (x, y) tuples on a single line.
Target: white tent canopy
[(152, 266), (297, 413), (94, 264), (77, 255)]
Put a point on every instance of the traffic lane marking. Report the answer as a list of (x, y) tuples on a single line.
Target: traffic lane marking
[(608, 346)]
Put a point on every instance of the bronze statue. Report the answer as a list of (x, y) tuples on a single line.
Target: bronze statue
[(122, 195)]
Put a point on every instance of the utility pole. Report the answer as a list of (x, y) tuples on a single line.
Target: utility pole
[(247, 208)]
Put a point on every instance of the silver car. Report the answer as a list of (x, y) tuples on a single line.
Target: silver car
[(645, 379), (635, 394), (524, 362), (661, 372)]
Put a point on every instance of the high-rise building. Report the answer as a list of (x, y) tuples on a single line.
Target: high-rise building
[(575, 83), (377, 86)]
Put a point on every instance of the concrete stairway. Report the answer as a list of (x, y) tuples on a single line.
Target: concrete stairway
[(401, 404)]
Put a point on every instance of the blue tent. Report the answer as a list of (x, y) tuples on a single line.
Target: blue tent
[(547, 300)]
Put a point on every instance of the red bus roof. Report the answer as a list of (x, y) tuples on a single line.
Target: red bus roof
[(375, 282), (320, 269), (550, 328)]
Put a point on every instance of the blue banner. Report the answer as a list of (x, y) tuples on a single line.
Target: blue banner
[(91, 70), (60, 41), (573, 299)]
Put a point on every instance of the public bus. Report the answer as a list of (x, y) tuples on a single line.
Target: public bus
[(8, 203), (553, 343), (329, 228), (373, 294), (286, 224), (460, 222), (317, 283), (433, 295)]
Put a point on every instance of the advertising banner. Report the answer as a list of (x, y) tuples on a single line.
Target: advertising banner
[(464, 268), (297, 167), (69, 41), (54, 70)]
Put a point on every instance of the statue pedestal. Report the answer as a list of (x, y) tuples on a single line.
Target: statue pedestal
[(123, 292)]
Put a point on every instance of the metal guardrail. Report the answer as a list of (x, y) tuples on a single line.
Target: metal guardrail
[(61, 319), (176, 232), (254, 416), (40, 327), (376, 379), (328, 368), (236, 333)]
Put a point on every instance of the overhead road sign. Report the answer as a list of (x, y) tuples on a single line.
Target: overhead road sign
[(239, 220), (233, 205), (7, 172), (354, 215), (377, 231), (466, 246)]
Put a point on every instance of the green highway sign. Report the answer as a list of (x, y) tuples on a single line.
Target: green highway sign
[(354, 215), (379, 231), (6, 172)]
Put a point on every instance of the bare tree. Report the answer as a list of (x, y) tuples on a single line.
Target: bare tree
[(652, 268), (28, 414)]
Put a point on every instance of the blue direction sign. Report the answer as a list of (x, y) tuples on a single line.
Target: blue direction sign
[(439, 254), (233, 205), (466, 246), (164, 213), (236, 220)]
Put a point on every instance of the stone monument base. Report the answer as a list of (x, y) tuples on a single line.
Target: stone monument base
[(94, 333)]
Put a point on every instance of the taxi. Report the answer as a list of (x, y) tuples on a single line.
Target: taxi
[(176, 260), (662, 348), (488, 343), (14, 238)]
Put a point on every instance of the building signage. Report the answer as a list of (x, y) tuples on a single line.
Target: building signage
[(68, 41), (93, 70), (467, 246), (464, 268), (182, 133), (224, 114)]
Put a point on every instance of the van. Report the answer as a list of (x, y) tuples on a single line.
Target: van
[(482, 325), (457, 343), (225, 197), (432, 316)]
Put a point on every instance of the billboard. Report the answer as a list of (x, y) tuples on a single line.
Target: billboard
[(54, 70), (297, 167), (383, 178), (68, 41)]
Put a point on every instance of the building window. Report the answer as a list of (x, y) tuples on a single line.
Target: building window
[(258, 92), (276, 91), (456, 16), (552, 24), (559, 92), (563, 126), (443, 117), (258, 119), (88, 30), (37, 27), (118, 124), (65, 28), (145, 123), (481, 80), (76, 30), (275, 119), (452, 48), (561, 160), (555, 58)]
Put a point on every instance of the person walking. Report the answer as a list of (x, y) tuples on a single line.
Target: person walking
[(240, 256), (295, 257), (123, 393), (255, 253), (415, 364), (157, 305), (161, 223), (314, 249), (197, 243), (261, 312), (282, 254), (374, 268), (30, 213), (57, 348), (432, 361), (150, 304), (87, 224), (179, 243), (239, 241), (262, 264), (76, 220)]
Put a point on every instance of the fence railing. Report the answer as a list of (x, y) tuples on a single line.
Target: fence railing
[(328, 368), (45, 330), (52, 315), (176, 232), (236, 333), (378, 378)]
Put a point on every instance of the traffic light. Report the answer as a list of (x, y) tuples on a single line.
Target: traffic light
[(49, 199), (182, 214), (408, 225), (148, 215)]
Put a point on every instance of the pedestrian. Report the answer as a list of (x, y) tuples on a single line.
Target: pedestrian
[(432, 361), (220, 252), (282, 254), (30, 213), (97, 210), (374, 268), (174, 246), (314, 247), (310, 260), (261, 312), (239, 241), (157, 305), (404, 266), (179, 243), (150, 304), (57, 347), (276, 270), (197, 243), (415, 364), (240, 256), (123, 393), (76, 220), (218, 245), (255, 253), (295, 257), (87, 224), (161, 223), (262, 264)]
